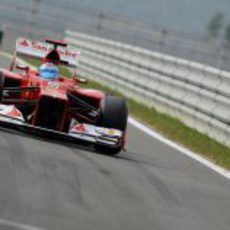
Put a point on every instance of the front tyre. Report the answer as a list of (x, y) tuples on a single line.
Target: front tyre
[(114, 114)]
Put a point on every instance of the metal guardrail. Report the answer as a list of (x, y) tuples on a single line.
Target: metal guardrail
[(197, 94)]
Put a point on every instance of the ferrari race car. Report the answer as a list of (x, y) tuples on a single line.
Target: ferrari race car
[(42, 101)]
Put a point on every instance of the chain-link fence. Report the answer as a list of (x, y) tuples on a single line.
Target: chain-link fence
[(40, 18)]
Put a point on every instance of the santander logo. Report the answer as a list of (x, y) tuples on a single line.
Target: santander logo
[(45, 48), (40, 48), (24, 43)]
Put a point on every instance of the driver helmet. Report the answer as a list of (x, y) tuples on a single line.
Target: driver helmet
[(48, 71)]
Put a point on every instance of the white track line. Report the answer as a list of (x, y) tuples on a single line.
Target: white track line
[(7, 223), (19, 60), (181, 149), (6, 55)]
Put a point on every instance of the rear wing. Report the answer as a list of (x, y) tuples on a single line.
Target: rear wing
[(38, 49)]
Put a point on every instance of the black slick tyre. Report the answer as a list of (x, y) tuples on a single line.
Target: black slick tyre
[(114, 114)]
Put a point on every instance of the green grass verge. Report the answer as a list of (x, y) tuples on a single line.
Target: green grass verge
[(168, 126), (175, 130)]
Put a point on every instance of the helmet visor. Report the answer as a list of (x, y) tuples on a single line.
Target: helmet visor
[(49, 72)]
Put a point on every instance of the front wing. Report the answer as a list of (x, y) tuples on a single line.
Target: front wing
[(11, 118)]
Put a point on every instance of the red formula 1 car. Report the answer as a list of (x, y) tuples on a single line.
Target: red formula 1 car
[(41, 101)]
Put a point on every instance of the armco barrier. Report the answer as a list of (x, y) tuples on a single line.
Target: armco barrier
[(198, 95)]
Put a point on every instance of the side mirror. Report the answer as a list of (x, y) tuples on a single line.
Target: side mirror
[(78, 79), (82, 80)]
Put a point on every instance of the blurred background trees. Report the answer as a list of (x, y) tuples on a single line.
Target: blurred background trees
[(217, 29), (215, 26)]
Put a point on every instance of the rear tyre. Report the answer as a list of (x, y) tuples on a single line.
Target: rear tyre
[(114, 114)]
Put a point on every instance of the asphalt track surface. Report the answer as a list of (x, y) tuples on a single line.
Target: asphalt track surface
[(60, 186)]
